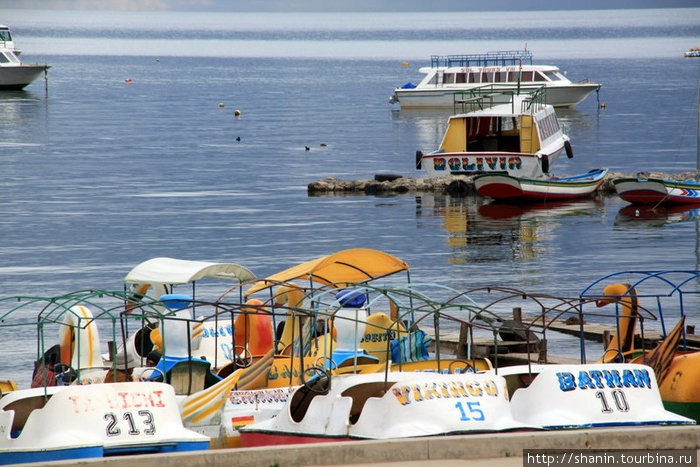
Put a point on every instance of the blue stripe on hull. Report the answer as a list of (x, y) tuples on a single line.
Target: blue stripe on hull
[(50, 455)]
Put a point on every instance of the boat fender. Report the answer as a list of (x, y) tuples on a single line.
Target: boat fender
[(569, 151), (458, 188), (545, 163), (419, 160)]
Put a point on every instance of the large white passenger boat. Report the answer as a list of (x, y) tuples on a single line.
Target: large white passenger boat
[(510, 70)]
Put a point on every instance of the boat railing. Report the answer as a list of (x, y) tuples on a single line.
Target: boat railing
[(533, 98), (497, 58)]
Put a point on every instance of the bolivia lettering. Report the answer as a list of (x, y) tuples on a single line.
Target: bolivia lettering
[(444, 390), (478, 163), (596, 379)]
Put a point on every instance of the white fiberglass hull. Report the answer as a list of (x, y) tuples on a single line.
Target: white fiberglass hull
[(443, 97), (17, 77)]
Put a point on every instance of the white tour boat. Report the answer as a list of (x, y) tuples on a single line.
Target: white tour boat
[(508, 69), (15, 75), (521, 138)]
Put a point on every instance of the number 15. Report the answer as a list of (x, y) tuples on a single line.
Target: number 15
[(476, 413)]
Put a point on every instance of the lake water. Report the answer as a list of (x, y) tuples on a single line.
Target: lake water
[(125, 153)]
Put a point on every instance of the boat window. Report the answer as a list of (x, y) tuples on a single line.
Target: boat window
[(539, 76), (461, 78), (487, 77), (5, 35), (449, 78), (526, 76), (8, 57), (500, 77), (554, 76), (474, 77)]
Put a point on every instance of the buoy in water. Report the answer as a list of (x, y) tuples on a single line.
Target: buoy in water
[(237, 113), (128, 80), (221, 104), (405, 64)]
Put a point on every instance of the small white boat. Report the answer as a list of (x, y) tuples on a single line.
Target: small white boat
[(584, 396), (692, 53), (511, 70), (86, 421), (15, 75), (502, 186), (391, 405), (521, 138)]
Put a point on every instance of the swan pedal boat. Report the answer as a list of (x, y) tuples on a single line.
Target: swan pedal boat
[(391, 405), (86, 421), (506, 187), (587, 395)]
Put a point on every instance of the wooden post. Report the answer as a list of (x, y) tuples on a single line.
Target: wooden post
[(607, 337), (462, 344), (517, 314)]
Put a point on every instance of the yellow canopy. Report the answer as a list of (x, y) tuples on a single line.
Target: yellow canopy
[(346, 266)]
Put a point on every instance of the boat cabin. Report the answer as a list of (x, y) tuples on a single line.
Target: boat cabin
[(6, 41), (514, 133), (488, 75)]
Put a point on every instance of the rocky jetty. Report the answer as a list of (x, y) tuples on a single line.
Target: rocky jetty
[(456, 185)]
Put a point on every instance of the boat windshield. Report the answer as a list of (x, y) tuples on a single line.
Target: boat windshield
[(8, 58), (554, 76), (5, 35)]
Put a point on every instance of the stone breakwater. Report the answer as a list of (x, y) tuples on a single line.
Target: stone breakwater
[(456, 185)]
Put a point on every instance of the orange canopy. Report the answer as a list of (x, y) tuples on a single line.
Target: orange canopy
[(346, 266)]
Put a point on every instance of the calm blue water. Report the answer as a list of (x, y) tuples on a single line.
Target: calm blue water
[(101, 173)]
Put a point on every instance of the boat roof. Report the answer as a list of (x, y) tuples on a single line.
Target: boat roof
[(178, 271), (495, 58), (520, 104), (346, 266)]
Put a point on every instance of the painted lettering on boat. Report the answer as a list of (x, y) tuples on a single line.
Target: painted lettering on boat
[(378, 336), (482, 163), (221, 331), (443, 390), (597, 379), (262, 396), (120, 400)]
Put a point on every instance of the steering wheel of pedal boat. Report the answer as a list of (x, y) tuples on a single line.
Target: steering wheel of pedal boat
[(468, 366), (65, 373), (319, 381), (242, 357), (151, 372), (619, 357), (323, 360)]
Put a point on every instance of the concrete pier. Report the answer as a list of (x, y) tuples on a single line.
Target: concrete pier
[(483, 450)]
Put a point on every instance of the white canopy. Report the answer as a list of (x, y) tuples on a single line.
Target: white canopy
[(178, 271)]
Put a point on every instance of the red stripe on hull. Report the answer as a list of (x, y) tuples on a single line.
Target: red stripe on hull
[(500, 191), (644, 196), (252, 439)]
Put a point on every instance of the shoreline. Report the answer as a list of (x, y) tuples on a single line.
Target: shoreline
[(455, 185)]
